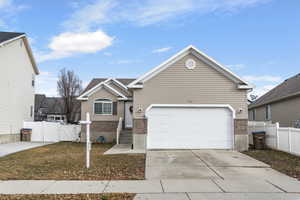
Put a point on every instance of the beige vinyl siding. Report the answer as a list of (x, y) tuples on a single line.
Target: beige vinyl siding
[(88, 106), (286, 112), (17, 92), (179, 85)]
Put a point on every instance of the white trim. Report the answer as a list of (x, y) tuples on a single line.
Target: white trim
[(120, 84), (198, 106), (181, 54), (250, 86), (109, 101), (11, 40), (192, 106), (97, 87), (116, 91), (103, 83)]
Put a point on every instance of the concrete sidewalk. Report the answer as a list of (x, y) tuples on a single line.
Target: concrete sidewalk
[(10, 148), (152, 186)]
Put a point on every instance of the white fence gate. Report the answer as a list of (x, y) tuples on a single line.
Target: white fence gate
[(52, 131), (281, 138)]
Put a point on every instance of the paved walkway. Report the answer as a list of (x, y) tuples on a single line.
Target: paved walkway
[(123, 149), (10, 148), (218, 187)]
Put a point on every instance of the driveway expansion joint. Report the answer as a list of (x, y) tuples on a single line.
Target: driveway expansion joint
[(207, 165)]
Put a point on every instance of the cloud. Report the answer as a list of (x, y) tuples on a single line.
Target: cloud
[(9, 9), (46, 83), (4, 3), (72, 43), (266, 78), (161, 50), (91, 15), (121, 62), (236, 67), (147, 12)]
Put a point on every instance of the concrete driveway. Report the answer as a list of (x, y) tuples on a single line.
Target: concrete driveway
[(205, 164), (10, 148)]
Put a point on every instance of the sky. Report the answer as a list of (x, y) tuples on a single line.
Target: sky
[(259, 40)]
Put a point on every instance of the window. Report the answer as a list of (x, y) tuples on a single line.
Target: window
[(268, 112), (31, 111), (253, 114), (33, 81), (103, 107)]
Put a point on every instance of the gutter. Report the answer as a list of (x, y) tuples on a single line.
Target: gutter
[(275, 100)]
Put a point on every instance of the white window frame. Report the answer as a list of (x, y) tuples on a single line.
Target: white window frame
[(268, 112), (103, 101)]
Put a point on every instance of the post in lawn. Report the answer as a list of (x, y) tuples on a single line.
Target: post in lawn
[(88, 141)]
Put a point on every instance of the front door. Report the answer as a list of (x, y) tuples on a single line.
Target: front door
[(128, 114)]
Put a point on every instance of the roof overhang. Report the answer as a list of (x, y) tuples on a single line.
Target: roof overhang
[(28, 49), (253, 105), (242, 84)]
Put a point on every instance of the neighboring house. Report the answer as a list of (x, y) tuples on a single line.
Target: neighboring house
[(17, 84), (188, 102), (52, 109), (281, 104)]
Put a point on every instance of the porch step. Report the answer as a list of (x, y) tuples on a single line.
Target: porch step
[(126, 136)]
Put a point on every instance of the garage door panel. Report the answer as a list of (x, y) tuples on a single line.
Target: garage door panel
[(189, 128)]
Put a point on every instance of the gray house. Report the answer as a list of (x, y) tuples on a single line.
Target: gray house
[(190, 101), (52, 109), (281, 104)]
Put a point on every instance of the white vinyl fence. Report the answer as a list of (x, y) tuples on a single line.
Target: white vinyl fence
[(281, 138), (52, 131)]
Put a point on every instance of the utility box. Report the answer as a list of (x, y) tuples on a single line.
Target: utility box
[(259, 140), (26, 134)]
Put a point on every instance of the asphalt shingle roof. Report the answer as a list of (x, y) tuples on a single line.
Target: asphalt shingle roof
[(4, 36), (289, 87)]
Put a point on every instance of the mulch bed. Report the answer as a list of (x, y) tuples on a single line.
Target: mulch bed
[(278, 160), (66, 161), (123, 196)]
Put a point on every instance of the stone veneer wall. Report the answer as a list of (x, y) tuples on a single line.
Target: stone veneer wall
[(240, 133), (241, 138), (139, 133), (107, 129), (8, 138)]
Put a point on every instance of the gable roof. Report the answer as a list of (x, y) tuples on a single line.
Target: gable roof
[(289, 88), (7, 37), (99, 83), (138, 83), (96, 81)]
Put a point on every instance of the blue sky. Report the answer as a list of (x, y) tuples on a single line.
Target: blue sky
[(257, 39)]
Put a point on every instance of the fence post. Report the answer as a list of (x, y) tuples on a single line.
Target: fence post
[(277, 134), (290, 140), (43, 131)]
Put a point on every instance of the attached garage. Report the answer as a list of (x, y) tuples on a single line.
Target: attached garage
[(190, 126)]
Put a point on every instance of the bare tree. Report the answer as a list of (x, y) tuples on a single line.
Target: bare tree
[(69, 86)]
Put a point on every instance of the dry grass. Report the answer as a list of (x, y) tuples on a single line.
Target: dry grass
[(281, 161), (66, 161), (115, 196)]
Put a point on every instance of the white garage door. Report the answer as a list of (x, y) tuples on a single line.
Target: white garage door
[(190, 128)]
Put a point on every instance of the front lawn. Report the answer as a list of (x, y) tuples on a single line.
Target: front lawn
[(123, 196), (66, 161), (281, 161)]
